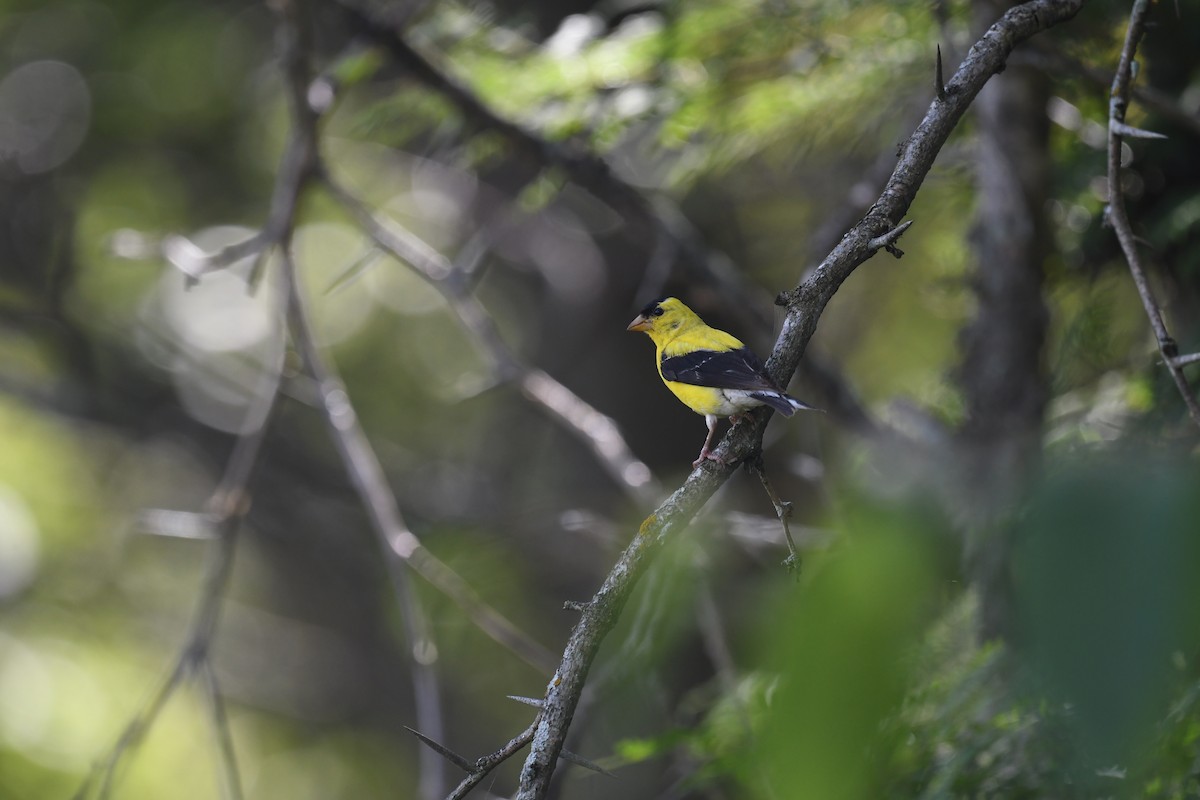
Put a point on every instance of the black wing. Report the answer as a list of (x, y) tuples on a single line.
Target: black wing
[(727, 369)]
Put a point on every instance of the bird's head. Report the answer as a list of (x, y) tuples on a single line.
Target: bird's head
[(663, 318)]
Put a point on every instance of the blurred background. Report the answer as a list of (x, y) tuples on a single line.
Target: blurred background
[(1000, 512)]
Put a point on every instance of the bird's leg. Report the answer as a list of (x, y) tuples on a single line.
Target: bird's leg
[(706, 451)]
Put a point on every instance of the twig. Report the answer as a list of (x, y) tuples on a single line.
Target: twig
[(1190, 358), (494, 624), (783, 510), (226, 754), (487, 763), (189, 259), (1119, 216), (805, 304), (227, 506)]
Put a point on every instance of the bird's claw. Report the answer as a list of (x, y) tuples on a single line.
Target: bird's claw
[(708, 457)]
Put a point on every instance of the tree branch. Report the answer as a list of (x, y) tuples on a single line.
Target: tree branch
[(805, 304), (1118, 216), (596, 430)]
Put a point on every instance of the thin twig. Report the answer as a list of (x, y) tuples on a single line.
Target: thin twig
[(1119, 216), (189, 259), (227, 505), (231, 784), (1190, 358), (805, 304), (487, 763), (783, 510), (490, 621)]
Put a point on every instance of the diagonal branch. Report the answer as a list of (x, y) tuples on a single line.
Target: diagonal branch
[(1118, 216), (596, 430), (303, 159), (805, 304), (487, 763)]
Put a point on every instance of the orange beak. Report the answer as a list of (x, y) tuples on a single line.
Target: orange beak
[(640, 323)]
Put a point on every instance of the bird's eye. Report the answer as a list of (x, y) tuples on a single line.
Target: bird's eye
[(658, 312)]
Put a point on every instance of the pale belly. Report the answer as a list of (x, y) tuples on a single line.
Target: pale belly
[(722, 403)]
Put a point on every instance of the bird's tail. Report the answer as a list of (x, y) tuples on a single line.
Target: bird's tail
[(783, 403)]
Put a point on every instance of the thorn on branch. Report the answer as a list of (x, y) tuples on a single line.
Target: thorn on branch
[(938, 83), (355, 270), (445, 752), (578, 760), (1130, 132), (888, 240), (536, 702)]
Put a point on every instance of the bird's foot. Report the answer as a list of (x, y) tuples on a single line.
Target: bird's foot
[(706, 455)]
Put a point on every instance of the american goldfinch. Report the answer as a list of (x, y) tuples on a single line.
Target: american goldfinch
[(712, 372)]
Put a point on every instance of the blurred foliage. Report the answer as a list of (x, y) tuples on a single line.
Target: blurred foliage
[(124, 122)]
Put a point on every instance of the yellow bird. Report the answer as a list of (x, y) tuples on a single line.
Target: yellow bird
[(712, 372)]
